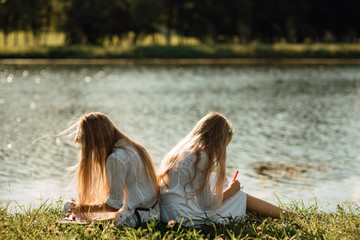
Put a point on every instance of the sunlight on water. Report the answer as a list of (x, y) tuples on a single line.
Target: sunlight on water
[(297, 128)]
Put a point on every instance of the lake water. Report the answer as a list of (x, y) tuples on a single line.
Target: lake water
[(296, 127)]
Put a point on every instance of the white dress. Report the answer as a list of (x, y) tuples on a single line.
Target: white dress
[(186, 205), (129, 187)]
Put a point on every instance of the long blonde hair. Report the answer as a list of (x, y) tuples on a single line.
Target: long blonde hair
[(210, 135), (97, 136)]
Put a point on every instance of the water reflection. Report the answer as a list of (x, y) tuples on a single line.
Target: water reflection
[(297, 127)]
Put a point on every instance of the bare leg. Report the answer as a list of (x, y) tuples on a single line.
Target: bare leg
[(264, 208)]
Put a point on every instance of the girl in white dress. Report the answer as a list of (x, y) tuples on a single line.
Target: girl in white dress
[(116, 177), (185, 179)]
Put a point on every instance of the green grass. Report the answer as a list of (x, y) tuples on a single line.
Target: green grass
[(42, 223), (255, 50), (52, 45)]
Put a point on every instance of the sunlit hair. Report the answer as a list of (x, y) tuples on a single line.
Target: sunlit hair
[(97, 136), (210, 135)]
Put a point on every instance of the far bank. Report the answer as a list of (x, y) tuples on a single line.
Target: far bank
[(220, 53), (182, 61)]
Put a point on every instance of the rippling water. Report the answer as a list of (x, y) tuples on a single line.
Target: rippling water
[(297, 127)]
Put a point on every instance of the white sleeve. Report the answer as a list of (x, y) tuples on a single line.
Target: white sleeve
[(116, 177), (207, 198)]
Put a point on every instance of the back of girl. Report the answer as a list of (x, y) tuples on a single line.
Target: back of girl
[(191, 193), (115, 175)]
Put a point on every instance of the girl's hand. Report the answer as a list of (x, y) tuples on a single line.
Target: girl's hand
[(234, 187), (73, 207)]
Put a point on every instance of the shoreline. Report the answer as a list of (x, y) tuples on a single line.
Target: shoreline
[(180, 61)]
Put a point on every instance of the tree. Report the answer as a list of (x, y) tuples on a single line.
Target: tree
[(9, 17), (145, 17)]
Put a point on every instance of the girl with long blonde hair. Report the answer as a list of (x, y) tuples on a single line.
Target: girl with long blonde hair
[(186, 179), (115, 174)]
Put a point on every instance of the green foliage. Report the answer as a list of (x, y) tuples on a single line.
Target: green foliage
[(33, 15), (270, 51), (209, 21), (43, 223)]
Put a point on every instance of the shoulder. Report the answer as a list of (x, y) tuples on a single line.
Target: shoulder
[(193, 157), (118, 160), (123, 155), (203, 162)]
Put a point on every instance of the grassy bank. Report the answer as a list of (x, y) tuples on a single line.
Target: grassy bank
[(41, 222), (273, 51)]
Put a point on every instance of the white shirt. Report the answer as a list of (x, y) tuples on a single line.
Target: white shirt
[(129, 186), (182, 200)]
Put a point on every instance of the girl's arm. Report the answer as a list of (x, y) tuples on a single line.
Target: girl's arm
[(233, 188), (91, 208), (116, 172), (205, 198)]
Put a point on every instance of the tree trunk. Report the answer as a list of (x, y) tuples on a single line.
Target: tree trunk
[(291, 31), (243, 31), (168, 37), (5, 39), (134, 40), (16, 39), (212, 32)]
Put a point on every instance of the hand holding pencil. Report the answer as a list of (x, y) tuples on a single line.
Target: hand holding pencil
[(233, 188), (234, 185)]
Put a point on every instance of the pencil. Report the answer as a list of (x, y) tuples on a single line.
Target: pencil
[(235, 176)]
